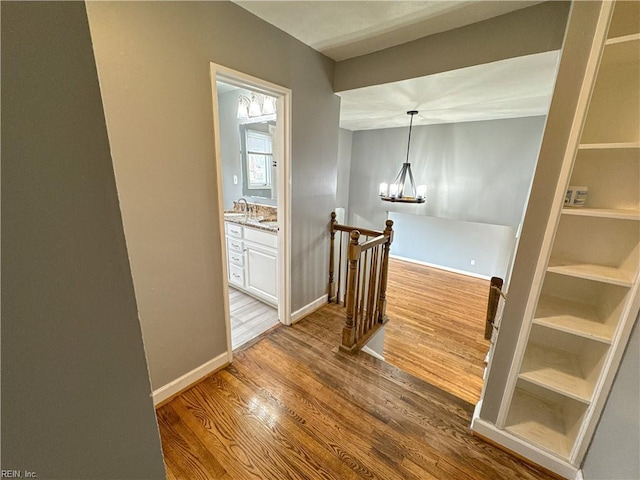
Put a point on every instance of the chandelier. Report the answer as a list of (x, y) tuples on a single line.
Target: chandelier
[(403, 189)]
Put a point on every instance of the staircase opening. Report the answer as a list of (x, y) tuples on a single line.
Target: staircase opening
[(363, 256), (437, 323)]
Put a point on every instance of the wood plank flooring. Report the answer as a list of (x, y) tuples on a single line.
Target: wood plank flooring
[(291, 406), (249, 317), (436, 327)]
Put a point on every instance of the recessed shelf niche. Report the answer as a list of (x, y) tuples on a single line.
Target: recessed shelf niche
[(601, 249), (545, 418), (562, 362), (581, 307), (614, 110)]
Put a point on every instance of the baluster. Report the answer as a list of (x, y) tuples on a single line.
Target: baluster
[(348, 331), (382, 302), (359, 289), (339, 267), (373, 273), (362, 292), (332, 255)]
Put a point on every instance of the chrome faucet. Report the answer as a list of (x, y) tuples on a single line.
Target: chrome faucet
[(245, 209)]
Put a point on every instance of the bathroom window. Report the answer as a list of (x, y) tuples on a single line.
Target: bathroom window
[(259, 159)]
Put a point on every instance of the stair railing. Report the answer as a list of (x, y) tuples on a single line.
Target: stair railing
[(361, 283)]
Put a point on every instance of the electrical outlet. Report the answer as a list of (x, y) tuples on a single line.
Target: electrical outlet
[(235, 179), (473, 262)]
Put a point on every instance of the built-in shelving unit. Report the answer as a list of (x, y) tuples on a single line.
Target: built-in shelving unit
[(587, 300)]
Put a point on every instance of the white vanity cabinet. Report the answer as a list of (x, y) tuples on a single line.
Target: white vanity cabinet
[(252, 261)]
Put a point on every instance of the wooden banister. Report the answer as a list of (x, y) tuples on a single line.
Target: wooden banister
[(363, 231), (365, 282), (374, 242)]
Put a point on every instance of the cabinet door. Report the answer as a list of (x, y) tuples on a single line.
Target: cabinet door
[(260, 270)]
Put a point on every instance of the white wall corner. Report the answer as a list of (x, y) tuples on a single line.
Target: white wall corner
[(308, 309), (190, 378)]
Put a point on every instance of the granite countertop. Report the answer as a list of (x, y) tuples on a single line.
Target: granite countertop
[(267, 225)]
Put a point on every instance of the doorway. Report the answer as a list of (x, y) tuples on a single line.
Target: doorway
[(252, 151)]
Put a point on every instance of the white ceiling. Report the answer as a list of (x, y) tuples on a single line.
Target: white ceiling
[(346, 29), (517, 87)]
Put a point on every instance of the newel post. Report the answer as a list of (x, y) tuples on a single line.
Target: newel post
[(348, 331), (332, 256), (495, 289), (382, 299)]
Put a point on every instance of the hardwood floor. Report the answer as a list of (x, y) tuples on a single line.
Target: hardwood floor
[(249, 317), (436, 327), (292, 406)]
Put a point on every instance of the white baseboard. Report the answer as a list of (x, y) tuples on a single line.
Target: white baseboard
[(307, 309), (441, 267), (373, 353), (189, 378), (527, 450)]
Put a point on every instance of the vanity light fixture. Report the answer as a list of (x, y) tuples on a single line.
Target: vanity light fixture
[(268, 105), (243, 107), (257, 106), (398, 191)]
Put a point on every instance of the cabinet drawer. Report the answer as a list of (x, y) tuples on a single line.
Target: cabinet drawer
[(236, 258), (260, 237), (236, 275), (234, 245), (233, 230)]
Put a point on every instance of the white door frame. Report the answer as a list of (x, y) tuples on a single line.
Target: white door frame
[(282, 142)]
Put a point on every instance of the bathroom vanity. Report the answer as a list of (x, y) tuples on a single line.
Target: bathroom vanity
[(252, 257)]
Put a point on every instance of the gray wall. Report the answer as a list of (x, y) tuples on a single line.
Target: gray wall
[(569, 80), (230, 147), (614, 450), (535, 29), (475, 171), (345, 140), (153, 63), (75, 387), (481, 249)]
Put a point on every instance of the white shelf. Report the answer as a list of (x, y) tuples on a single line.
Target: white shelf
[(610, 146), (556, 370), (572, 317), (599, 273), (616, 213)]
